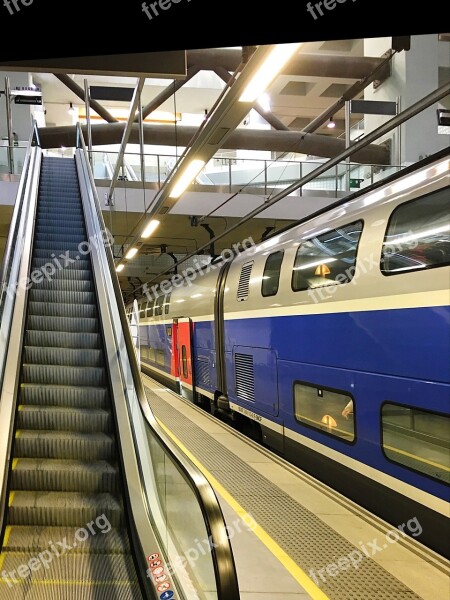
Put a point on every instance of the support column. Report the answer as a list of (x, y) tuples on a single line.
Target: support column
[(415, 74)]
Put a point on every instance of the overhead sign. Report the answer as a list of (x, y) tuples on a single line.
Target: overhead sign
[(373, 107), (34, 100)]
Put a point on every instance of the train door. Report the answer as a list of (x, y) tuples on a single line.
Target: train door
[(175, 369), (185, 357)]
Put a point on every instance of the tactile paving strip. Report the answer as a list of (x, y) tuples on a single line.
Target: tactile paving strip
[(303, 536)]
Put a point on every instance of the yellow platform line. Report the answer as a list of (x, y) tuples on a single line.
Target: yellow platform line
[(288, 563)]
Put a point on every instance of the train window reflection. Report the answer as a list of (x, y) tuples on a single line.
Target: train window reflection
[(329, 411), (418, 235), (417, 439), (271, 277), (150, 306), (159, 306), (328, 259)]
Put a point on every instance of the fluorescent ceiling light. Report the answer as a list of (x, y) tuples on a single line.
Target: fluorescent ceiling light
[(151, 228), (120, 268), (131, 253), (191, 171), (268, 71)]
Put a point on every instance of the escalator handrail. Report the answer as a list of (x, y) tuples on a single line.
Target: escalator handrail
[(221, 552), (13, 228)]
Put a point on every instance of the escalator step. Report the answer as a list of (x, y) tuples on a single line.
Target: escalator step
[(72, 357), (74, 576), (62, 324), (71, 445), (57, 395), (59, 284), (84, 265), (63, 475), (25, 539), (63, 509), (67, 297), (58, 418), (63, 339), (56, 273), (53, 309), (56, 375), (56, 248)]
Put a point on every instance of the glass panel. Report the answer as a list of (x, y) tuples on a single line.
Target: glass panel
[(158, 306), (167, 304), (417, 439), (271, 277), (326, 410), (418, 235), (150, 306), (184, 361), (328, 259)]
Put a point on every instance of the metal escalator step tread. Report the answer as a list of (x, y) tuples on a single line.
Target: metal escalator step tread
[(58, 375), (40, 474), (83, 265), (70, 357), (63, 339), (48, 253), (74, 576), (55, 248), (76, 237), (71, 445), (61, 228), (60, 418), (65, 285), (63, 297), (53, 309), (88, 325), (35, 539), (35, 394), (63, 509), (47, 208), (54, 273)]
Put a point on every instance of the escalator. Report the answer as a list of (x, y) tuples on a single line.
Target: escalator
[(93, 494), (65, 472)]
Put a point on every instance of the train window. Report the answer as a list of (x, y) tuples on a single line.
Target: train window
[(142, 309), (244, 282), (327, 410), (271, 277), (418, 235), (150, 306), (167, 304), (184, 361), (417, 439), (328, 259), (159, 306)]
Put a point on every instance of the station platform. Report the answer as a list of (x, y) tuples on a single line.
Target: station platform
[(293, 537)]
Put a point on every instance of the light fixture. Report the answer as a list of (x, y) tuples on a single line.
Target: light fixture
[(120, 268), (71, 109), (191, 171), (331, 124), (151, 228), (267, 72), (131, 253)]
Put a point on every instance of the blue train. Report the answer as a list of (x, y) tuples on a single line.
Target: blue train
[(332, 341)]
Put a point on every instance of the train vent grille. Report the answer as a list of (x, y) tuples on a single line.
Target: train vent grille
[(244, 282), (245, 376), (203, 371)]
